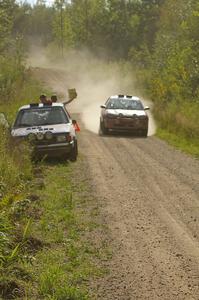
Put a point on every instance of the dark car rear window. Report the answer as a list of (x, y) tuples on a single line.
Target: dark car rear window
[(41, 116), (128, 104)]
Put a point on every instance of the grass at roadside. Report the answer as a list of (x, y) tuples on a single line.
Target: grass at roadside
[(45, 225), (180, 142), (15, 164), (15, 177), (58, 257), (178, 124)]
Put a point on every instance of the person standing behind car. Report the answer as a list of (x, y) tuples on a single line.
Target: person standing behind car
[(53, 98), (72, 95), (43, 99)]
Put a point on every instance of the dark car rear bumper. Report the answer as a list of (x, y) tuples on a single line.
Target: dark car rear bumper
[(54, 149)]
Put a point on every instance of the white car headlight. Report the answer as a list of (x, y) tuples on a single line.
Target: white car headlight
[(40, 136), (49, 135)]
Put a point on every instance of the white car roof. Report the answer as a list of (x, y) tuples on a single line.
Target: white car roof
[(57, 104), (125, 97)]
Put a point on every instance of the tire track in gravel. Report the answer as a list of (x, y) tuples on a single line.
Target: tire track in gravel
[(148, 194)]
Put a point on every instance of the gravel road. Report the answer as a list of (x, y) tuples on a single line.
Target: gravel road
[(148, 194)]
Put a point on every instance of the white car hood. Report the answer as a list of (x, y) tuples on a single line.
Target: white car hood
[(57, 128), (126, 112)]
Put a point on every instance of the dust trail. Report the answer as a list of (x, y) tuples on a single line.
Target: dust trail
[(152, 124), (94, 80)]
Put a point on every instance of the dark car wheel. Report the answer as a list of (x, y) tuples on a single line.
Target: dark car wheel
[(74, 152), (145, 132), (104, 130)]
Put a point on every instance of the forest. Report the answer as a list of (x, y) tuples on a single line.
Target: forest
[(157, 40)]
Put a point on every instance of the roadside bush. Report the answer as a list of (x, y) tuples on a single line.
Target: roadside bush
[(180, 118), (15, 176), (15, 165), (11, 77), (169, 74)]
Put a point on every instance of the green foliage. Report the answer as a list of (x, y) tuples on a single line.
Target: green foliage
[(54, 285), (11, 53), (106, 27), (66, 263), (168, 72), (14, 167), (11, 77), (5, 228), (15, 177), (158, 38), (6, 24), (174, 74), (181, 142), (10, 254), (16, 86)]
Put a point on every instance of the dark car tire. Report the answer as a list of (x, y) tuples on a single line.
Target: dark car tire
[(74, 152), (104, 130), (145, 132)]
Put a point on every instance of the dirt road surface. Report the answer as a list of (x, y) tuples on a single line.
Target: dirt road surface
[(148, 193)]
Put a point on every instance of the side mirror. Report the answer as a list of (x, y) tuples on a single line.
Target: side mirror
[(146, 108), (4, 121), (103, 106)]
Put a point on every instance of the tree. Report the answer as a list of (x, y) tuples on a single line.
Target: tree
[(6, 24)]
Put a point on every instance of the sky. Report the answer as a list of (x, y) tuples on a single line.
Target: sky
[(32, 2)]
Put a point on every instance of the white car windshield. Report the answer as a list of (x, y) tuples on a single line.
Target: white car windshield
[(41, 116), (127, 104)]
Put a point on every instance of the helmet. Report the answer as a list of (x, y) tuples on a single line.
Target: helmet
[(42, 96)]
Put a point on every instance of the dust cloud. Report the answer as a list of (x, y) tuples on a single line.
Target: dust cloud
[(95, 80)]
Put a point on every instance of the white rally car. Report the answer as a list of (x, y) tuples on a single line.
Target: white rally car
[(124, 113), (49, 128)]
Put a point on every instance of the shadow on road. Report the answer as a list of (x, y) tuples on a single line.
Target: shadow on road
[(129, 135), (50, 161)]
